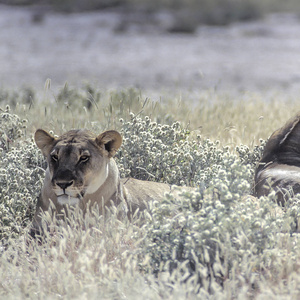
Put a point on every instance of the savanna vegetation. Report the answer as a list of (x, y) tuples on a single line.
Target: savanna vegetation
[(216, 243)]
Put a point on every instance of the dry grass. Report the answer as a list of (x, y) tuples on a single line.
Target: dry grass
[(234, 120)]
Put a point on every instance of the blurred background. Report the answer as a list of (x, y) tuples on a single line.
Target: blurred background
[(167, 45)]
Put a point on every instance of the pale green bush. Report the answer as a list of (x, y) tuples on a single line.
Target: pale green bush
[(156, 152), (251, 157), (21, 175), (208, 240), (12, 128)]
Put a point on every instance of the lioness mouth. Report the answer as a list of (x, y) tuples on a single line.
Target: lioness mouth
[(64, 199)]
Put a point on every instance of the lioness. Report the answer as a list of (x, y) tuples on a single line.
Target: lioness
[(279, 167), (81, 169)]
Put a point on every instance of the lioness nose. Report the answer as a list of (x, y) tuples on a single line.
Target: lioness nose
[(64, 185)]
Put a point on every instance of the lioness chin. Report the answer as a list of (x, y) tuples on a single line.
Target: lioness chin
[(81, 171)]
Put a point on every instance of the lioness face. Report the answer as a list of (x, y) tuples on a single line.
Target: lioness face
[(77, 161), (72, 169)]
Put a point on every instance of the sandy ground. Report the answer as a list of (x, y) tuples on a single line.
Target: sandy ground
[(256, 56)]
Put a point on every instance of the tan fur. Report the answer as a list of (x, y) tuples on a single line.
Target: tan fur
[(81, 170), (279, 167)]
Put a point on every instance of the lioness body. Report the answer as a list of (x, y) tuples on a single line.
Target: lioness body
[(279, 167), (81, 171)]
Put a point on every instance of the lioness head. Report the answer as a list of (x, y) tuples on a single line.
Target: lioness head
[(78, 162), (279, 167)]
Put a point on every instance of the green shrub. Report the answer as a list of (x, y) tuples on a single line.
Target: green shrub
[(21, 175), (12, 128), (206, 240), (166, 153)]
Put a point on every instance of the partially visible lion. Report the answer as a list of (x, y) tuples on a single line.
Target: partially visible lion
[(81, 171), (279, 168)]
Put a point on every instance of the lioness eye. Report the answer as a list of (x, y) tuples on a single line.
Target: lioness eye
[(84, 158), (54, 157)]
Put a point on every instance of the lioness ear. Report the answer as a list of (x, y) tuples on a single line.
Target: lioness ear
[(111, 140), (44, 140)]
